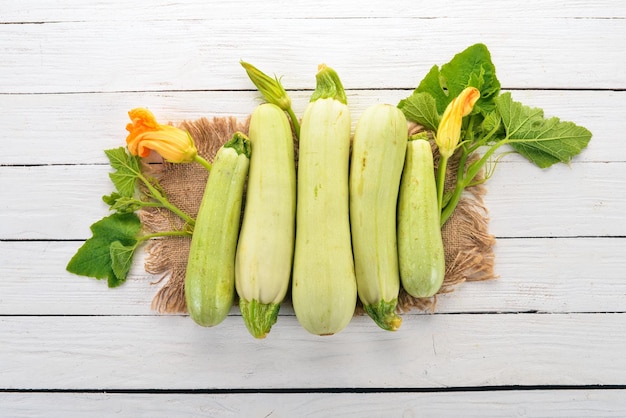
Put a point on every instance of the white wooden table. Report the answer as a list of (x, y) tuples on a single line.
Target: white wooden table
[(548, 338)]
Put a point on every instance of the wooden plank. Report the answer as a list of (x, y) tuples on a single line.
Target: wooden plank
[(108, 56), (76, 128), (544, 275), (42, 11), (36, 283), (575, 200), (429, 351), (71, 71), (483, 404), (83, 125), (548, 275), (586, 199), (39, 200)]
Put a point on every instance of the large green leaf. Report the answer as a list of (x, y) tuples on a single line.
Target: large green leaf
[(421, 108), (121, 260), (127, 168), (542, 141), (471, 68), (93, 258)]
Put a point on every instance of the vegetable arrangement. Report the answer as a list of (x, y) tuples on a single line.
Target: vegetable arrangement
[(361, 219)]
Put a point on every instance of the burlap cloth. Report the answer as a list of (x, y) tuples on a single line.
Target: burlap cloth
[(468, 244)]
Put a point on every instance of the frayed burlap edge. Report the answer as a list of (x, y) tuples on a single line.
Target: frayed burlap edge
[(467, 242)]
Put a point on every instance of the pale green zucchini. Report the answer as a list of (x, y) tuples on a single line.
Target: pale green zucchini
[(210, 276), (266, 242), (324, 283), (378, 152), (420, 246)]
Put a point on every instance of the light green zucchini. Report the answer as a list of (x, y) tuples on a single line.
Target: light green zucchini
[(378, 152), (420, 246), (210, 275), (324, 283), (266, 242)]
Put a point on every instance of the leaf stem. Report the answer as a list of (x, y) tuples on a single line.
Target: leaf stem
[(166, 204), (204, 162), (150, 204), (441, 180), (476, 166), (458, 191), (464, 179), (484, 140), (163, 234)]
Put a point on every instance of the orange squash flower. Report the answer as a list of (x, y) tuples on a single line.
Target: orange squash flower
[(449, 131), (145, 134)]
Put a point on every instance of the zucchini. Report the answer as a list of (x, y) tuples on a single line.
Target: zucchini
[(324, 283), (210, 275), (420, 246), (378, 152), (266, 242)]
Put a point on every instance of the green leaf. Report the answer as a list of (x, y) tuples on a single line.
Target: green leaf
[(121, 261), (470, 68), (434, 85), (421, 108), (491, 126), (492, 121), (111, 199), (124, 182), (120, 159), (93, 258), (127, 169), (542, 141), (124, 204)]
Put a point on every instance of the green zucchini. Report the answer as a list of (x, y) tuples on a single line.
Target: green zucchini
[(210, 275), (266, 242), (378, 152), (324, 283), (420, 245)]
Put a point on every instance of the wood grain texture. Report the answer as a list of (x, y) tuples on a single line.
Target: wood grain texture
[(62, 132), (195, 54), (545, 275), (555, 318), (68, 11), (172, 352), (61, 202), (537, 403)]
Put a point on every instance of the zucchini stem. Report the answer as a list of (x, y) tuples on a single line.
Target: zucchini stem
[(258, 317), (384, 314), (328, 85)]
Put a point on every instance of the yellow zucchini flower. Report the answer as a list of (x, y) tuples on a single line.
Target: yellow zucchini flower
[(449, 131), (145, 134)]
